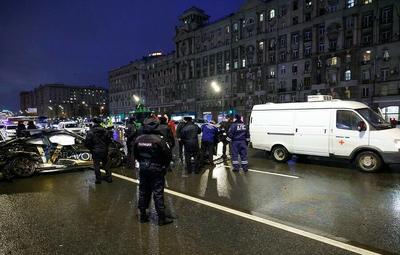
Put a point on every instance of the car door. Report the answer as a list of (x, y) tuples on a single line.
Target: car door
[(41, 147), (311, 132), (345, 136)]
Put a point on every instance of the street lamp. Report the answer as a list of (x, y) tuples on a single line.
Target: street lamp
[(215, 86), (136, 98), (217, 89)]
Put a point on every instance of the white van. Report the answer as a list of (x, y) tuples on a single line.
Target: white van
[(327, 128)]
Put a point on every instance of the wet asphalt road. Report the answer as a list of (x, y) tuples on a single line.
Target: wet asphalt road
[(67, 213)]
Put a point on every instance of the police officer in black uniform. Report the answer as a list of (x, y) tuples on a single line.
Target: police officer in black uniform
[(131, 134), (178, 135), (166, 132), (97, 141), (154, 157), (189, 134)]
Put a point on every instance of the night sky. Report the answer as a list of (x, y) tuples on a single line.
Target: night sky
[(77, 41)]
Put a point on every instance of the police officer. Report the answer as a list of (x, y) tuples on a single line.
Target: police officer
[(97, 141), (239, 137), (178, 135), (154, 157), (225, 125), (131, 133), (190, 139), (166, 132)]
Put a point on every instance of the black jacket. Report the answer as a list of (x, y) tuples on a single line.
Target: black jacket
[(166, 133), (97, 140), (224, 128), (189, 136), (152, 149), (179, 128), (131, 134)]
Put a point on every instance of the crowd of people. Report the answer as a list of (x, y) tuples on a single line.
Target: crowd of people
[(151, 145)]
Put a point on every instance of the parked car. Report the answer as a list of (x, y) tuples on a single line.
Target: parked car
[(3, 136), (9, 131), (199, 122), (327, 128), (71, 126), (50, 150), (119, 125)]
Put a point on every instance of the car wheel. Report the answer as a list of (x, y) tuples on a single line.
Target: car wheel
[(368, 161), (116, 160), (23, 167), (280, 154)]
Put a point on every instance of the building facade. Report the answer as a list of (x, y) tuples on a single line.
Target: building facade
[(64, 101), (127, 87), (148, 81), (283, 51)]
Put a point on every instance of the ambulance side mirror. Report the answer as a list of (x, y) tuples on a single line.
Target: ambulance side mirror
[(362, 126)]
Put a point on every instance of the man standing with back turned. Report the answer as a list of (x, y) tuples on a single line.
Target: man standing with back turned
[(239, 137), (189, 134), (97, 141), (154, 157)]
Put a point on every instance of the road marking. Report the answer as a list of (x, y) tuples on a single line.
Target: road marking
[(276, 174), (270, 173), (322, 239)]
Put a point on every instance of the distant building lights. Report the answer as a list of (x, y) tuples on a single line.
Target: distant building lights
[(155, 54)]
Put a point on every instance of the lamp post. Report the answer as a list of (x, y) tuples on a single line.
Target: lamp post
[(51, 109), (217, 89)]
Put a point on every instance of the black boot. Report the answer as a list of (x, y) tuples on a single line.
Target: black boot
[(143, 217), (163, 220), (98, 181), (108, 179)]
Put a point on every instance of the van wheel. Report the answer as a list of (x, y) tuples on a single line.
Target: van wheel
[(368, 161), (280, 154)]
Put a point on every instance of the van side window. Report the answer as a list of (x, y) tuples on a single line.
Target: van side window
[(347, 120)]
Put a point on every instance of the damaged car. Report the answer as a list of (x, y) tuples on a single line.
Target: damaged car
[(49, 151)]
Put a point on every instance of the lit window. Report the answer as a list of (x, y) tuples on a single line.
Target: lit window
[(350, 3), (235, 65), (272, 14), (347, 75), (367, 56), (386, 55), (367, 1), (261, 45), (261, 17), (243, 62), (333, 61), (227, 29), (227, 67), (235, 27), (272, 73)]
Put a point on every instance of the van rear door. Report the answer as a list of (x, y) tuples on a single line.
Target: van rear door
[(312, 132), (345, 135)]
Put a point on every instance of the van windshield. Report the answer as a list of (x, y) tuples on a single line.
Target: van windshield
[(374, 119)]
